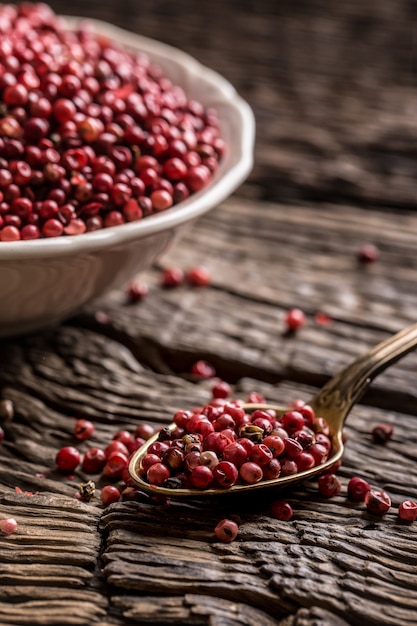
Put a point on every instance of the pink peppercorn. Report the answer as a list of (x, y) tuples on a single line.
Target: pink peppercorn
[(357, 489), (144, 430), (329, 485), (226, 530), (137, 291), (377, 502), (157, 474), (203, 369), (83, 429), (116, 463), (94, 460), (67, 459), (282, 510), (199, 276), (201, 477), (221, 389), (8, 526), (109, 494), (381, 433), (172, 277), (407, 510), (368, 253), (250, 472), (294, 319)]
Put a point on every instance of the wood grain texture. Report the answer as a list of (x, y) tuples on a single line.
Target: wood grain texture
[(333, 89)]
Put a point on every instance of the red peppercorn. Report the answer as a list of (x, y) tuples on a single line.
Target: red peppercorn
[(203, 369), (381, 433), (288, 467), (271, 470), (8, 526), (157, 474), (109, 494), (116, 463), (197, 177), (226, 530), (124, 437), (368, 253), (198, 276), (294, 319), (137, 291), (144, 430), (357, 489), (250, 472), (275, 444), (282, 510), (83, 429), (115, 446), (235, 453), (407, 510), (201, 477), (67, 459), (172, 277), (94, 461), (221, 389), (260, 454), (148, 460), (225, 474), (329, 485), (305, 461), (292, 421), (377, 502)]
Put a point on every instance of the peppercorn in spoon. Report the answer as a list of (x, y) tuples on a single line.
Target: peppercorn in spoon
[(332, 403)]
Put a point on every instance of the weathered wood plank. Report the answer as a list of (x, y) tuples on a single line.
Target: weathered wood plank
[(298, 257)]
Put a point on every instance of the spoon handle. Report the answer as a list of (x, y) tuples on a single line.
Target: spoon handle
[(339, 394)]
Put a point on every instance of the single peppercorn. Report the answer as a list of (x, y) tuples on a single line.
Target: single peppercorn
[(381, 433), (67, 459), (83, 429), (282, 510), (221, 389), (294, 320), (407, 510), (137, 291), (377, 502), (368, 253), (109, 494), (198, 276), (329, 485), (8, 526), (94, 461), (203, 369), (226, 530), (357, 489), (172, 277)]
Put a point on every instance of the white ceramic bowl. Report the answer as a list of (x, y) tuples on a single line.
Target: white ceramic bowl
[(46, 280)]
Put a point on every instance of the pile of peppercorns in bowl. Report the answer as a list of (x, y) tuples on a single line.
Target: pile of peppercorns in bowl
[(110, 145)]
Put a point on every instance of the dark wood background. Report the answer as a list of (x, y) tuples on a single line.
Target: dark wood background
[(333, 88)]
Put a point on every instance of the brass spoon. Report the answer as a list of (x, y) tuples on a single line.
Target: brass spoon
[(333, 402)]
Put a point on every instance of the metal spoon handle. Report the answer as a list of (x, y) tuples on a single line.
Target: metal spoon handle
[(336, 398)]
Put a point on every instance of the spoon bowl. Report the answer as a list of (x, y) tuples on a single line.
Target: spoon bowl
[(333, 402)]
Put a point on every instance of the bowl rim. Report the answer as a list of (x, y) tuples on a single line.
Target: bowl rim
[(227, 179)]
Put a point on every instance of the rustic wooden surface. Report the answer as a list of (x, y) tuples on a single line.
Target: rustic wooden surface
[(333, 88)]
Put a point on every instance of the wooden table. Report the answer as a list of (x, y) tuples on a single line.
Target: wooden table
[(332, 85)]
